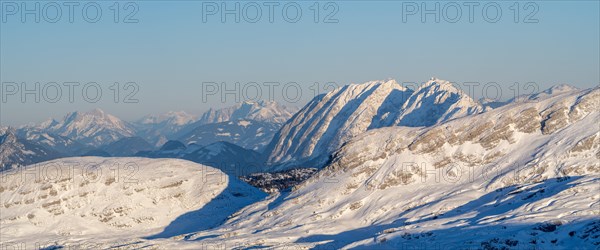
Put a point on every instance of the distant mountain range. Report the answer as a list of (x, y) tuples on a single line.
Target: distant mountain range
[(249, 125), (156, 129), (263, 111)]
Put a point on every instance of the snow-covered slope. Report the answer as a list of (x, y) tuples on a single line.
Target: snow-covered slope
[(94, 128), (91, 202), (526, 175), (158, 128), (18, 152), (330, 120)]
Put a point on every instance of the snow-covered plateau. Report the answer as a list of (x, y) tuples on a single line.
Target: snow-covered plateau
[(94, 201)]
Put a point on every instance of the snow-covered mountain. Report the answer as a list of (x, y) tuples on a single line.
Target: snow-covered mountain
[(93, 128), (93, 202), (332, 119), (249, 124), (434, 102), (158, 128), (171, 118), (523, 176), (250, 134), (225, 156), (16, 152), (264, 111)]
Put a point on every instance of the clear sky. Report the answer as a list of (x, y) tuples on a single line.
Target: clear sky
[(171, 51)]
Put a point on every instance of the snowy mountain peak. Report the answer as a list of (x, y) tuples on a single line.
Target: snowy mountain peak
[(561, 88), (382, 84), (434, 102), (96, 115), (3, 129), (553, 91), (261, 103), (96, 112), (93, 128), (328, 121), (392, 84), (171, 117), (250, 124), (267, 111), (43, 125), (157, 128), (439, 85), (92, 114)]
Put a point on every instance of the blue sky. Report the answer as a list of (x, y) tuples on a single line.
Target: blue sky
[(170, 52)]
